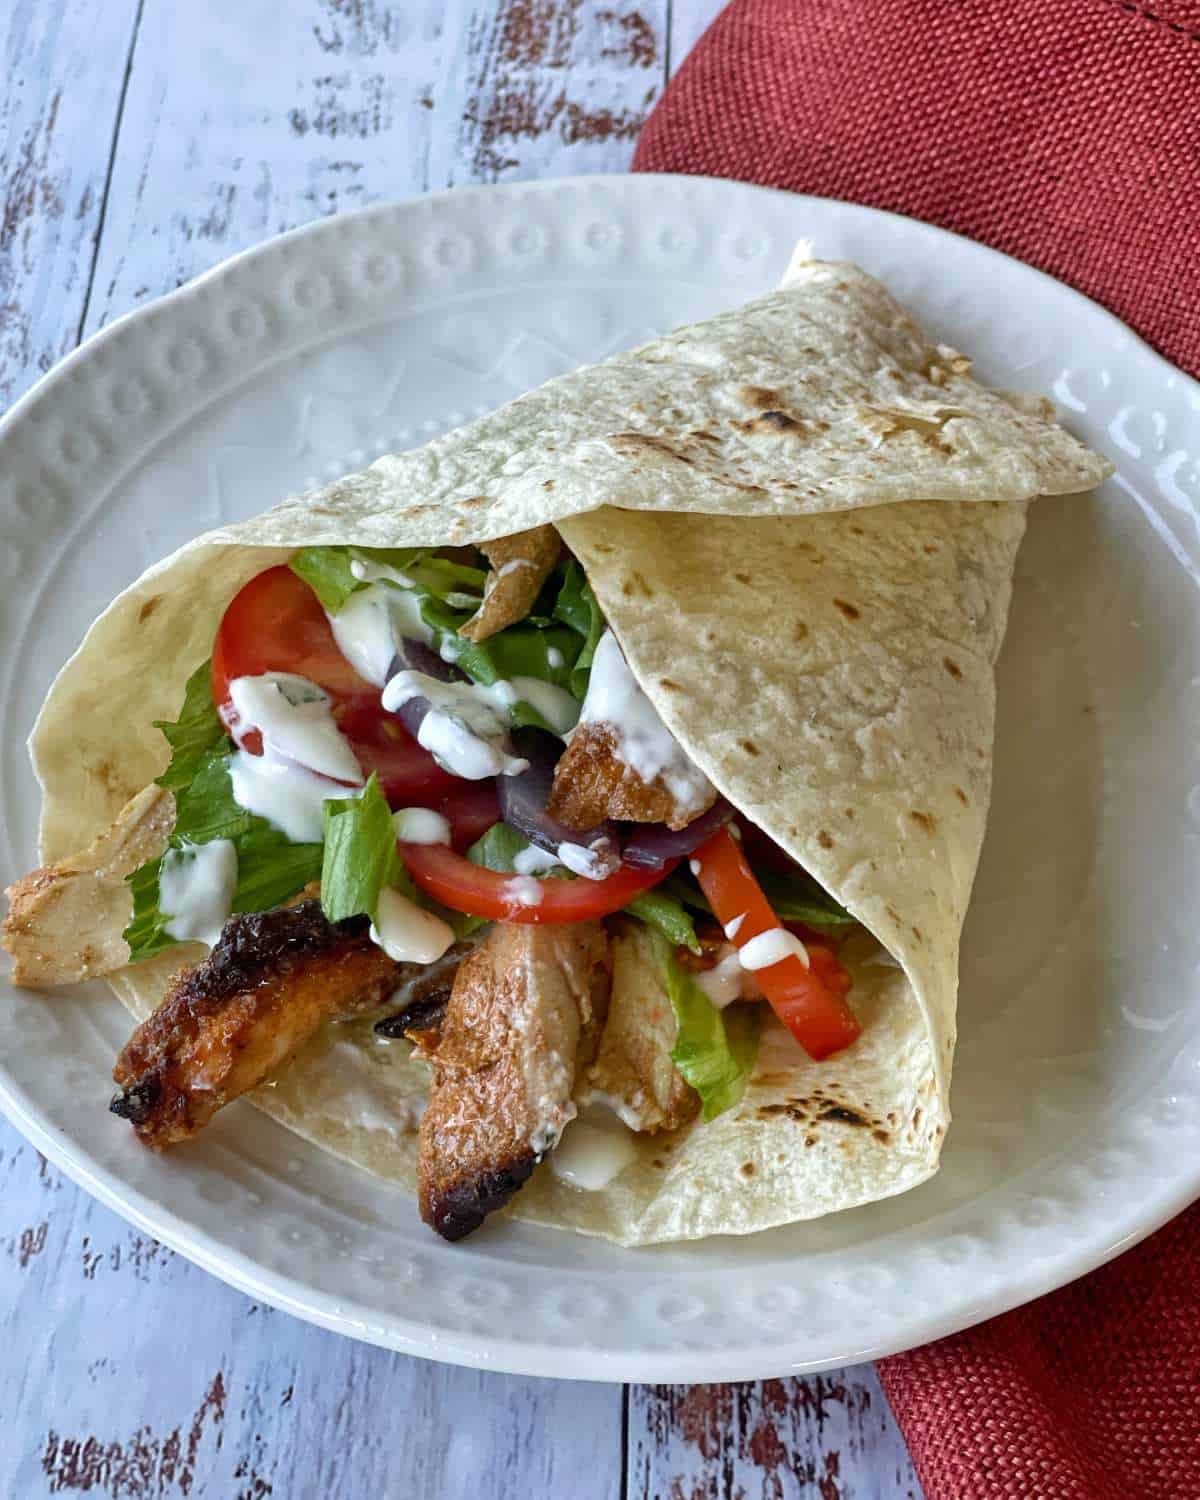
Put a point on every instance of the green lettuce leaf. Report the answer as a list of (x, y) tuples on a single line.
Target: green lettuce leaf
[(714, 1050), (577, 607), (197, 730), (270, 868), (794, 897), (498, 848), (360, 854), (662, 911)]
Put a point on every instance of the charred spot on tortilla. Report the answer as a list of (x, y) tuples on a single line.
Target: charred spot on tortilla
[(839, 1114), (925, 820), (952, 667), (749, 747), (747, 1169), (625, 442), (148, 607), (851, 611)]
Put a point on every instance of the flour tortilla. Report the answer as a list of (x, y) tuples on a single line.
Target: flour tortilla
[(823, 651)]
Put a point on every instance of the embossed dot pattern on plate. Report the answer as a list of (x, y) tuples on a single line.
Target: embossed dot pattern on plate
[(1074, 1095)]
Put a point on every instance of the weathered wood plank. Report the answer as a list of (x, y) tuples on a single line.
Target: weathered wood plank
[(361, 101), (545, 88), (829, 1436), (64, 67), (139, 1376)]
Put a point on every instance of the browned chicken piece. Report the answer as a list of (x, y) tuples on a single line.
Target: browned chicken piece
[(521, 563), (633, 1072), (65, 921), (273, 979), (592, 784), (525, 1013)]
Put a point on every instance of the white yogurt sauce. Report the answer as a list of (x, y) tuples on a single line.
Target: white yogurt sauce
[(421, 825), (535, 861), (771, 947), (295, 720), (723, 982), (524, 890), (464, 729), (370, 625), (643, 741), (289, 796), (594, 1150), (406, 932), (195, 888), (581, 860), (368, 571)]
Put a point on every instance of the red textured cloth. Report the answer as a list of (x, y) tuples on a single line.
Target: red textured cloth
[(1066, 133)]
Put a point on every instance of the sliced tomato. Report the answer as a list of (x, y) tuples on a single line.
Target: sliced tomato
[(408, 774), (471, 808), (457, 883), (811, 1008), (276, 624)]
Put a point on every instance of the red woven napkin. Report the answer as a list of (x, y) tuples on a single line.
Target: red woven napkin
[(1066, 133)]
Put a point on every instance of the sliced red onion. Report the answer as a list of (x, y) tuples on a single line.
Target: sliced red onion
[(416, 656), (523, 802), (653, 844)]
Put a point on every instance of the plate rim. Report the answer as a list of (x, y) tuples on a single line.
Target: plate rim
[(484, 1351)]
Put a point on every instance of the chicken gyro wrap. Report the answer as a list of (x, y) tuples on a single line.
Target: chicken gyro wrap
[(576, 815)]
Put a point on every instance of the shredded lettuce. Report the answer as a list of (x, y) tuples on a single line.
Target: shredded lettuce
[(577, 607), (197, 729), (360, 854), (498, 848), (554, 643), (270, 868), (660, 910), (793, 897), (328, 571), (714, 1050)]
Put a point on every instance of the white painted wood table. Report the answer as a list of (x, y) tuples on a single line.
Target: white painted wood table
[(141, 141)]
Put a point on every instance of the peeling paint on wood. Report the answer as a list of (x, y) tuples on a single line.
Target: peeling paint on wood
[(828, 1437), (63, 66), (131, 1373)]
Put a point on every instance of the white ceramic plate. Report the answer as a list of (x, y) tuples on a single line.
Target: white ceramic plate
[(1077, 1082)]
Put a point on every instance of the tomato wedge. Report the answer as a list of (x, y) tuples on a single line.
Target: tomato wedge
[(805, 999), (457, 883), (276, 624)]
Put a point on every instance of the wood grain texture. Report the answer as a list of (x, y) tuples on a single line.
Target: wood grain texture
[(140, 1376), (128, 1372), (829, 1437), (64, 69)]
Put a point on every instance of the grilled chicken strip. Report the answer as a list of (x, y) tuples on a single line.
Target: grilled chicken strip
[(525, 1012), (633, 1073), (65, 921), (521, 563), (227, 1025), (591, 784)]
